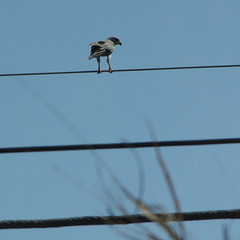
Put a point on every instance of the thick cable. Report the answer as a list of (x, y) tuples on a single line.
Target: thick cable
[(104, 146), (116, 220)]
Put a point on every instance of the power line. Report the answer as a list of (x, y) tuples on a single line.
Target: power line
[(105, 146), (121, 70), (114, 220)]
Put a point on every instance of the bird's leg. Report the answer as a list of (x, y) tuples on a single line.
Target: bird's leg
[(99, 68), (108, 61)]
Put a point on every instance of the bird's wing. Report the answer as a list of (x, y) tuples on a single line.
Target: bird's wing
[(101, 48), (96, 51), (107, 44)]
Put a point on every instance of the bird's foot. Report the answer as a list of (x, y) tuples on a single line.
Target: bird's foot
[(99, 71), (110, 70)]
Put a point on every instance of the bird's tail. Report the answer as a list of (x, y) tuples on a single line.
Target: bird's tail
[(89, 58)]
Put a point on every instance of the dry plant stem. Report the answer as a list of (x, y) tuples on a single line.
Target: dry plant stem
[(141, 185), (225, 232), (142, 206), (153, 217), (169, 181), (78, 183)]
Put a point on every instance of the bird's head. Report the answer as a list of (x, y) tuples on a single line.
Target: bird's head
[(115, 40)]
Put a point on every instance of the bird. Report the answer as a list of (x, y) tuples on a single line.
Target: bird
[(104, 49)]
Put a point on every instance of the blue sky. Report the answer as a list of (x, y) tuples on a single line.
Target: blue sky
[(42, 36)]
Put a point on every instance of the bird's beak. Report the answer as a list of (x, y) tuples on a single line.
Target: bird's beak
[(120, 43)]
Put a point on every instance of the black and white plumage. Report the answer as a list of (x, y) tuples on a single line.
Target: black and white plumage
[(104, 49)]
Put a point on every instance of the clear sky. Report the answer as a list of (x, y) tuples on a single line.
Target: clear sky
[(43, 35)]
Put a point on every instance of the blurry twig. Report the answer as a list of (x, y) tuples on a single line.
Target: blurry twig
[(52, 109), (225, 232), (76, 182), (228, 179), (141, 205), (168, 178)]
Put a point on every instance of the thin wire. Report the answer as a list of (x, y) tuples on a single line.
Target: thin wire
[(105, 146), (124, 219), (121, 70)]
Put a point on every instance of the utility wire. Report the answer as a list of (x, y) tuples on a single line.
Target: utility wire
[(114, 220), (103, 146), (121, 70)]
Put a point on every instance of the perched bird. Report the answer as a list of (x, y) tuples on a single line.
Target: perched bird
[(104, 49)]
